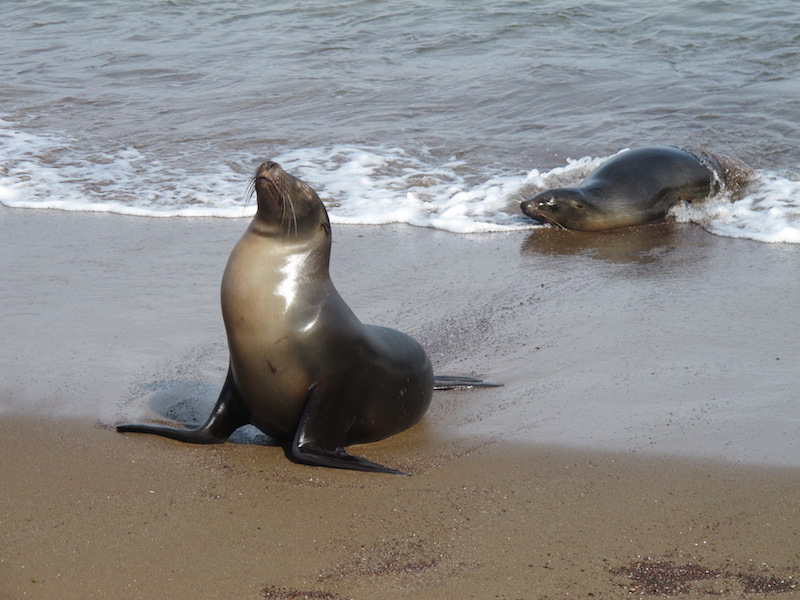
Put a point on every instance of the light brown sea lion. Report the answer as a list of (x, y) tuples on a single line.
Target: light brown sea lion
[(303, 368)]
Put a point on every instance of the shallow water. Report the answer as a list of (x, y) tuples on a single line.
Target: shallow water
[(437, 114)]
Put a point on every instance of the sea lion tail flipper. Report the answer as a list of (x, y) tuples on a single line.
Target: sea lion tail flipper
[(453, 382), (312, 443), (227, 416)]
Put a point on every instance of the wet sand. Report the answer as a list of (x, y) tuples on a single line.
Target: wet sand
[(643, 442)]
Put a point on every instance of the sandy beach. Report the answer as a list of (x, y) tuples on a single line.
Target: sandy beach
[(644, 441)]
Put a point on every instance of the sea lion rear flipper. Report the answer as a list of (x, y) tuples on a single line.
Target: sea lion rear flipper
[(313, 445), (452, 382), (227, 416)]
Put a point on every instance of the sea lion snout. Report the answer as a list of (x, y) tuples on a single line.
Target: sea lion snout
[(268, 184), (267, 168), (538, 206), (527, 207), (268, 171)]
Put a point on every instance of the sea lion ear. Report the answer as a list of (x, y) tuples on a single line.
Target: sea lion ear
[(326, 227)]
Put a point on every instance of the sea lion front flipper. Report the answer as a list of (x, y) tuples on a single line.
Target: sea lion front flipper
[(308, 454), (227, 416), (453, 382), (313, 442)]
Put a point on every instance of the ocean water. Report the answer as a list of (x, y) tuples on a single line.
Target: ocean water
[(440, 114)]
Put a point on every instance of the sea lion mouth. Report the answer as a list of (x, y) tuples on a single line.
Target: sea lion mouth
[(266, 188), (531, 208), (268, 178)]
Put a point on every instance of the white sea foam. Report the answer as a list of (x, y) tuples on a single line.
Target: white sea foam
[(48, 171), (770, 212), (366, 185), (360, 185), (376, 186)]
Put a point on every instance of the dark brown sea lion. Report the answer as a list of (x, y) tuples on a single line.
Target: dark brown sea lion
[(303, 368), (634, 187)]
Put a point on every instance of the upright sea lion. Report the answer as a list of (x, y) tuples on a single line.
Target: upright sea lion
[(634, 187), (303, 369)]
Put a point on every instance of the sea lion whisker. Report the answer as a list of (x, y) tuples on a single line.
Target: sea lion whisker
[(294, 218), (283, 209), (288, 216), (249, 191)]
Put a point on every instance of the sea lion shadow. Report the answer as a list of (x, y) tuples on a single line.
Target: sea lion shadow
[(638, 244), (190, 402)]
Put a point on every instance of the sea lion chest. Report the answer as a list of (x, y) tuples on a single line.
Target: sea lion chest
[(278, 303)]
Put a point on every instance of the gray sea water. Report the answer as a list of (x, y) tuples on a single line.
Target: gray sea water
[(441, 113)]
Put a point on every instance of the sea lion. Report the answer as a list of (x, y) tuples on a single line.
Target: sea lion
[(634, 187), (303, 369)]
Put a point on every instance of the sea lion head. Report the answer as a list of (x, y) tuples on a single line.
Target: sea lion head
[(564, 207), (287, 206)]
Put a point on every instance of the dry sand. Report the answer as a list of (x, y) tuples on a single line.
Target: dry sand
[(644, 441)]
